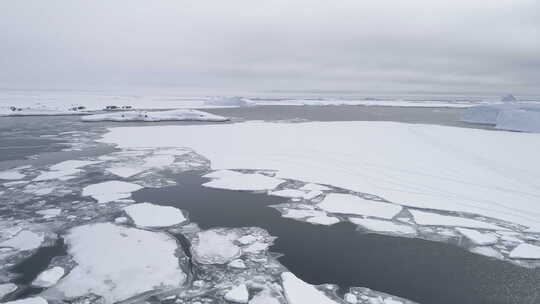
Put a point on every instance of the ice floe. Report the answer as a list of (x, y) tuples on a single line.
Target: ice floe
[(49, 277), (232, 180), (125, 172), (238, 294), (479, 238), (150, 215), (11, 175), (32, 300), (51, 212), (383, 226), (299, 292), (323, 220), (171, 115), (525, 251), (117, 262), (24, 240), (6, 289), (435, 219), (424, 166), (64, 170), (235, 101), (350, 204), (110, 191)]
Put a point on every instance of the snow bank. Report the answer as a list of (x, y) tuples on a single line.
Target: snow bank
[(350, 204), (475, 171), (118, 262), (110, 191), (172, 115), (299, 292), (508, 116), (150, 215)]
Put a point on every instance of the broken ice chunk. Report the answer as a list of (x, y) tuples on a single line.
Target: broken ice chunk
[(350, 204), (383, 226), (110, 191), (24, 240), (238, 294), (525, 251), (300, 292), (232, 180), (435, 219), (49, 277), (477, 237), (215, 247), (150, 215)]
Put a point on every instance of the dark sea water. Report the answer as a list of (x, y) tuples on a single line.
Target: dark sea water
[(419, 270)]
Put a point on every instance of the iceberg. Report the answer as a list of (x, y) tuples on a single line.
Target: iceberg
[(521, 117), (149, 116), (525, 251), (232, 180)]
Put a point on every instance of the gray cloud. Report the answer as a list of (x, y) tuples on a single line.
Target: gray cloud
[(377, 46)]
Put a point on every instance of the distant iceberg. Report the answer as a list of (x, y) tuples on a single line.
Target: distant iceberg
[(523, 117), (172, 115), (227, 102)]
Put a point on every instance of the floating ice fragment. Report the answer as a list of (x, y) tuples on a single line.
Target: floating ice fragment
[(51, 212), (350, 298), (125, 172), (435, 219), (33, 300), (300, 292), (6, 289), (150, 215), (383, 226), (238, 263), (478, 237), (11, 175), (264, 297), (289, 193), (238, 294), (215, 247), (64, 170), (487, 251), (110, 191), (226, 179), (24, 240), (117, 262), (49, 277), (323, 220), (350, 204), (314, 187), (525, 251)]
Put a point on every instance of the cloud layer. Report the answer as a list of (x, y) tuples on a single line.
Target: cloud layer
[(374, 46)]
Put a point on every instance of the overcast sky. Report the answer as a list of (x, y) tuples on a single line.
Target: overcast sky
[(461, 46)]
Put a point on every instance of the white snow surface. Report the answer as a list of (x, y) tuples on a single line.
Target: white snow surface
[(232, 180), (299, 292), (350, 204), (434, 219), (525, 251), (117, 262), (150, 215), (477, 237), (483, 172), (110, 191), (510, 116), (49, 277), (383, 226), (24, 240), (149, 116)]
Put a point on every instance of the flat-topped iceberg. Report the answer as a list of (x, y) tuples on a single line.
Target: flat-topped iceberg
[(524, 117), (171, 115)]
